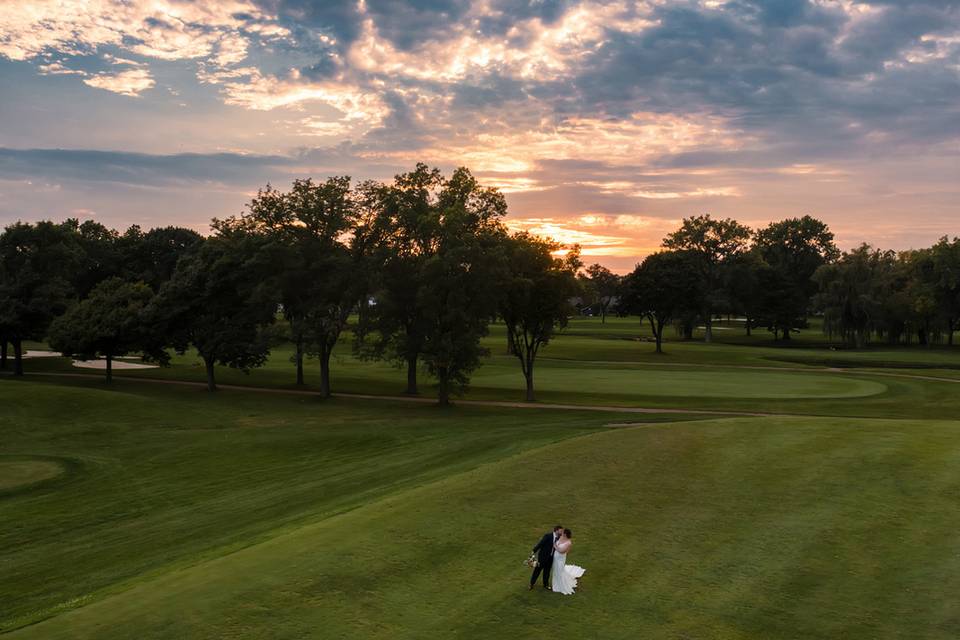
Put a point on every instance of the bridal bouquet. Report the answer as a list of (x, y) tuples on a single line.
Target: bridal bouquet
[(532, 561)]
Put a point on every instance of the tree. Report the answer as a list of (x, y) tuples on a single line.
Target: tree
[(460, 278), (36, 265), (308, 261), (853, 291), (218, 303), (945, 256), (535, 296), (100, 255), (792, 251), (108, 323), (151, 257), (603, 285), (747, 297), (402, 217), (714, 244), (662, 288)]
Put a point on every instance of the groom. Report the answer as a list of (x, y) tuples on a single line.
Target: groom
[(544, 551)]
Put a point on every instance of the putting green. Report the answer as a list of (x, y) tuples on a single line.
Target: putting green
[(712, 383), (20, 473)]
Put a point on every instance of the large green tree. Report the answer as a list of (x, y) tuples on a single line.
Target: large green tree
[(108, 323), (217, 302), (535, 296), (309, 260), (460, 279), (662, 289), (792, 250), (151, 256), (714, 244), (101, 255), (853, 291), (37, 266), (402, 219)]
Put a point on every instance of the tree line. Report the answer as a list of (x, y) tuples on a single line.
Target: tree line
[(778, 276), (418, 268)]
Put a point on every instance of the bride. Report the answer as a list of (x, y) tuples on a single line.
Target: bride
[(564, 576)]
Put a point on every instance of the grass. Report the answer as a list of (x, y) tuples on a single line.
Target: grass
[(671, 381), (734, 528), (174, 513), (163, 477), (17, 474)]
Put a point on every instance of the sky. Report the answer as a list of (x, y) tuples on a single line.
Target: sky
[(604, 123)]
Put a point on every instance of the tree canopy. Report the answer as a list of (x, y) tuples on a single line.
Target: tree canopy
[(535, 296), (109, 322)]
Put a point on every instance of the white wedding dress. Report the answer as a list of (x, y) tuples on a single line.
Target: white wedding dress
[(563, 576)]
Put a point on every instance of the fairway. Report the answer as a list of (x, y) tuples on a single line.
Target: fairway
[(729, 528)]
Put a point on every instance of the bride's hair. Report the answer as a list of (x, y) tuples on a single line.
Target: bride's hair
[(568, 533)]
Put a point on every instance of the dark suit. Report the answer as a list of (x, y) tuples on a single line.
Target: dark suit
[(544, 551)]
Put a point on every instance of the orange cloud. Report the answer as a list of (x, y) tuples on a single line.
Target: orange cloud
[(624, 237)]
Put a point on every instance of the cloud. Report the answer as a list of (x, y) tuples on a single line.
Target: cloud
[(127, 83), (573, 107), (139, 169), (218, 33)]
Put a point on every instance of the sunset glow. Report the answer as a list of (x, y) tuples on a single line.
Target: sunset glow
[(605, 123)]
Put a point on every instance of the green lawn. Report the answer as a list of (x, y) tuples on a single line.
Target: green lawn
[(733, 528), (156, 511), (160, 478)]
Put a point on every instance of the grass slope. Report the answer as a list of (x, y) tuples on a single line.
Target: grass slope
[(158, 477), (735, 528)]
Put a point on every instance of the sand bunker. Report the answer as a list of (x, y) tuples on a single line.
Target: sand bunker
[(117, 364), (99, 363)]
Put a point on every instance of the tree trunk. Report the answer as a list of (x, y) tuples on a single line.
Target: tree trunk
[(528, 374), (3, 353), (211, 380), (443, 389), (412, 376), (17, 357), (603, 315), (325, 370), (708, 329), (109, 368), (786, 333), (657, 329), (299, 358), (950, 325), (749, 325)]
